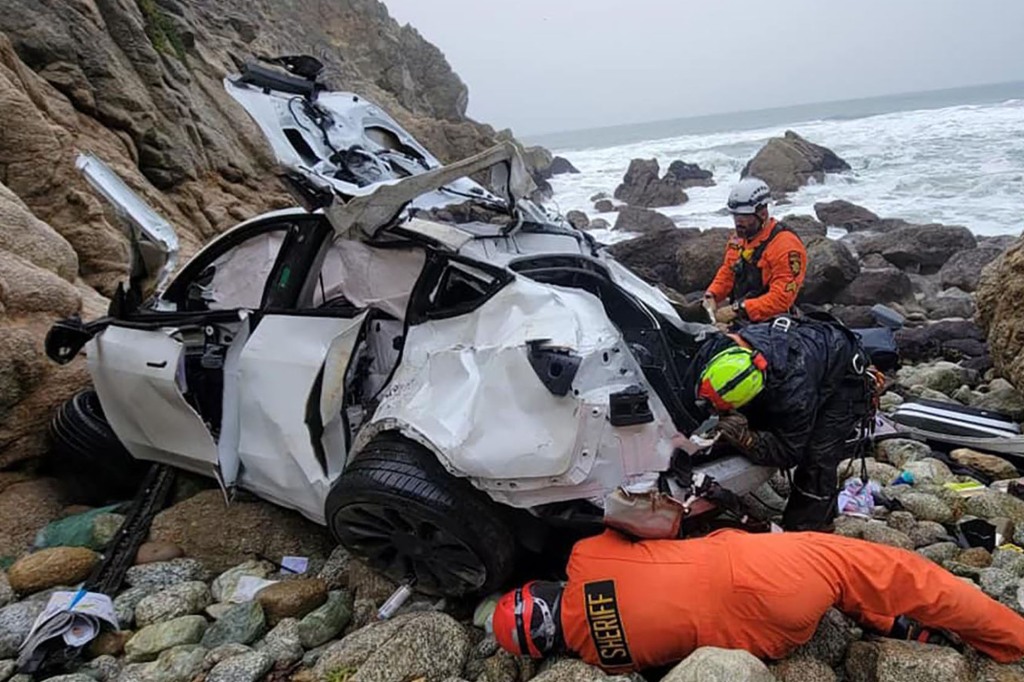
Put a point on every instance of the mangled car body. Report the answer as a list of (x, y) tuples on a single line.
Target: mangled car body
[(431, 368)]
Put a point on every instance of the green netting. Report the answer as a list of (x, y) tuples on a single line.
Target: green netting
[(72, 531)]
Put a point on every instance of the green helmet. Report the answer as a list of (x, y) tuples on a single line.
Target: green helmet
[(732, 378)]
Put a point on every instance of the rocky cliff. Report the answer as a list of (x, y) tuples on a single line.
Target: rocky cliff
[(139, 83)]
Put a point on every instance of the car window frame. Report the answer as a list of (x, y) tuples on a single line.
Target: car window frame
[(177, 291)]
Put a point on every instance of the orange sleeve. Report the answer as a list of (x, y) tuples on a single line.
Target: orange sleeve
[(784, 266), (721, 285)]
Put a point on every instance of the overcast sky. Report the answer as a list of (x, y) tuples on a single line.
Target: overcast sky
[(551, 65)]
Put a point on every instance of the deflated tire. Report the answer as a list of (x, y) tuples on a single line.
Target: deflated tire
[(86, 455)]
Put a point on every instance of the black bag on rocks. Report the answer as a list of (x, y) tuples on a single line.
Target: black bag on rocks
[(880, 345)]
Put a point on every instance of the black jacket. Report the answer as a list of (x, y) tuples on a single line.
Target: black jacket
[(806, 365)]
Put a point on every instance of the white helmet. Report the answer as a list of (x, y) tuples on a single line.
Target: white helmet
[(747, 195)]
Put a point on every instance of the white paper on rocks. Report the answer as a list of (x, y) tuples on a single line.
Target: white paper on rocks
[(77, 617)]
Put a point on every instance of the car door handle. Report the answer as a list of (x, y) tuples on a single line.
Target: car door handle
[(158, 365)]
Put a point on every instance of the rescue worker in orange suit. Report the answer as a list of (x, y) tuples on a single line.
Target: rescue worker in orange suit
[(629, 606), (789, 393), (765, 263)]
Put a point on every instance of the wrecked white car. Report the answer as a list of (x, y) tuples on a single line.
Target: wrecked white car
[(438, 372)]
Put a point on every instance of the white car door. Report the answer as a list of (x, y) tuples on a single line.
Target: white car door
[(160, 374), (293, 432), (137, 377)]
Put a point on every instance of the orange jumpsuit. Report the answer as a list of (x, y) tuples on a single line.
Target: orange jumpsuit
[(783, 266), (633, 605)]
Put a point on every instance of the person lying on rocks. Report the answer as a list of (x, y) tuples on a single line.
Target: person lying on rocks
[(629, 606), (764, 264), (788, 394)]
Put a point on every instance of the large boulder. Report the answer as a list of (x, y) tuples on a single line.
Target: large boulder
[(853, 316), (578, 219), (646, 255), (877, 286), (642, 220), (26, 507), (1000, 313), (543, 165), (698, 259), (963, 269), (689, 175), (951, 303), (830, 268), (1003, 397), (942, 376), (806, 227), (561, 166), (537, 159), (843, 214), (38, 284), (919, 248), (243, 530), (643, 187), (788, 163), (945, 340)]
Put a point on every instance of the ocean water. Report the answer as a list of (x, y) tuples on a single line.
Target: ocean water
[(954, 157)]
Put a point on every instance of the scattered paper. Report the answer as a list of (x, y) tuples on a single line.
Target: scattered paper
[(295, 564), (247, 587), (77, 617)]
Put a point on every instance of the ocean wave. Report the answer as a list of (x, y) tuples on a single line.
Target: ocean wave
[(961, 164)]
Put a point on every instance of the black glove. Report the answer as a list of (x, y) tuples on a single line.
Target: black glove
[(736, 431)]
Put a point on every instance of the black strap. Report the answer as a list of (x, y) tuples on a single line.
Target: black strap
[(748, 272), (524, 648), (737, 380), (759, 251)]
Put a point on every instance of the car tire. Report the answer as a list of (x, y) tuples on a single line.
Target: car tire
[(400, 510), (86, 455)]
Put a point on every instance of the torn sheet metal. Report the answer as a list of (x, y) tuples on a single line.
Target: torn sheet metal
[(378, 154), (135, 375), (156, 239), (444, 235), (332, 395), (376, 207), (467, 388), (278, 368)]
